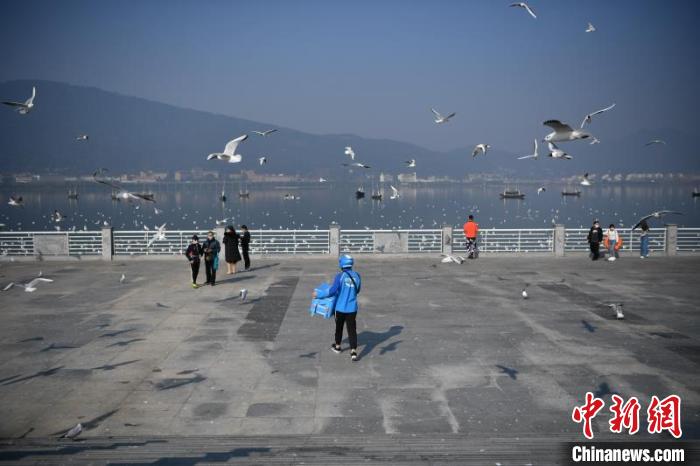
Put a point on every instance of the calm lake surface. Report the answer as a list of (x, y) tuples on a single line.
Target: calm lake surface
[(197, 206)]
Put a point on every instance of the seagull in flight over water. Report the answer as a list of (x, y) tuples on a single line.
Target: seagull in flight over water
[(349, 152), (23, 107), (122, 193), (584, 180), (590, 28), (394, 193), (655, 141), (534, 155), (524, 6), (439, 119), (265, 133), (557, 153), (563, 132), (590, 116), (480, 148), (356, 164), (410, 163), (657, 214), (229, 154)]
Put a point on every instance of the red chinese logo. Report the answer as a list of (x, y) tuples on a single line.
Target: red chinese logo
[(625, 415), (665, 415), (587, 412)]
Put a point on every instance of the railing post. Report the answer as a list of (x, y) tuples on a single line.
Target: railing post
[(447, 239), (671, 240), (334, 239), (559, 240), (107, 243)]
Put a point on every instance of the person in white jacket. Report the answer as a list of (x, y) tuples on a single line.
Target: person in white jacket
[(612, 237)]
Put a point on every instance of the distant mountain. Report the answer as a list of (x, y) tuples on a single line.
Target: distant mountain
[(128, 134)]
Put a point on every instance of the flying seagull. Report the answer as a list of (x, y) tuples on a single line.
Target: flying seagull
[(563, 132), (541, 189), (394, 193), (657, 214), (442, 119), (265, 133), (480, 148), (16, 201), (82, 137), (122, 193), (322, 180), (23, 107), (349, 152), (229, 154), (655, 141), (356, 164), (556, 153), (262, 160), (590, 28), (587, 119), (29, 287), (594, 141), (525, 6), (534, 155), (57, 216), (585, 181), (410, 163), (159, 235)]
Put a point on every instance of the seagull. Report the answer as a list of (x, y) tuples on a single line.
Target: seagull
[(262, 160), (265, 133), (222, 222), (157, 211), (594, 141), (122, 193), (587, 119), (480, 148), (617, 309), (322, 180), (563, 132), (557, 153), (122, 279), (448, 258), (524, 293), (657, 214), (23, 107), (349, 152), (229, 154), (243, 294), (82, 137), (584, 180), (57, 216), (16, 201), (394, 193), (541, 189), (159, 235), (526, 7), (590, 28), (356, 164), (439, 119), (29, 287), (74, 432), (534, 155), (655, 141), (410, 163)]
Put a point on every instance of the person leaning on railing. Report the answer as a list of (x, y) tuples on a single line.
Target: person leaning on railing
[(471, 231)]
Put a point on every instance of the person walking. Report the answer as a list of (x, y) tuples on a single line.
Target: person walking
[(644, 240), (346, 286), (595, 237), (193, 254), (612, 242), (245, 246), (211, 249), (471, 230), (232, 254)]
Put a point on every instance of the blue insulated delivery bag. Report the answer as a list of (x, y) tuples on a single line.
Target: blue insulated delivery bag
[(323, 306)]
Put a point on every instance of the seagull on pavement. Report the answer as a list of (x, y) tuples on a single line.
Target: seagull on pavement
[(450, 258), (243, 294), (563, 132), (73, 432), (657, 214), (556, 153), (410, 163), (23, 107), (617, 309), (265, 133), (590, 28), (525, 6), (480, 148), (439, 119), (229, 154), (122, 279), (655, 141), (587, 119), (534, 155)]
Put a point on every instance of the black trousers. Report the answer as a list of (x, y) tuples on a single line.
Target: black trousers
[(211, 272), (246, 257), (195, 270), (595, 250), (341, 318)]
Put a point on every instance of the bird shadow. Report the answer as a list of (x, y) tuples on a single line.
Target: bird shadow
[(604, 390), (588, 326), (110, 367), (27, 340), (373, 339), (114, 334), (262, 267), (161, 305), (311, 355), (46, 373), (54, 346), (509, 371), (235, 279), (126, 342)]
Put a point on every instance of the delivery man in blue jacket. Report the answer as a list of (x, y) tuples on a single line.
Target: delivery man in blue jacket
[(346, 287)]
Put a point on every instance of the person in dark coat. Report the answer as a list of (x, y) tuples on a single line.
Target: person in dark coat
[(193, 254), (211, 257), (245, 246), (231, 247), (595, 237)]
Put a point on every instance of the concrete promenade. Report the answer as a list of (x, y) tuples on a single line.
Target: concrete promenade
[(452, 358)]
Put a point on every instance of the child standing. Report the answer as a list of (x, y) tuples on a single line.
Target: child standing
[(612, 242)]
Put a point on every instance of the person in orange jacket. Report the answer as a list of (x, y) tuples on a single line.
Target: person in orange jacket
[(612, 242), (471, 231)]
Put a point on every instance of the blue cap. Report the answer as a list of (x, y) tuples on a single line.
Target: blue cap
[(345, 262)]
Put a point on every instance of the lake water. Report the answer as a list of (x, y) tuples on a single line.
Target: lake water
[(196, 206)]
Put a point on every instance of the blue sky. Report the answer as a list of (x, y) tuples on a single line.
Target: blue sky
[(375, 67)]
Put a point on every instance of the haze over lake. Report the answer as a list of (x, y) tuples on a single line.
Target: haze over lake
[(196, 206)]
